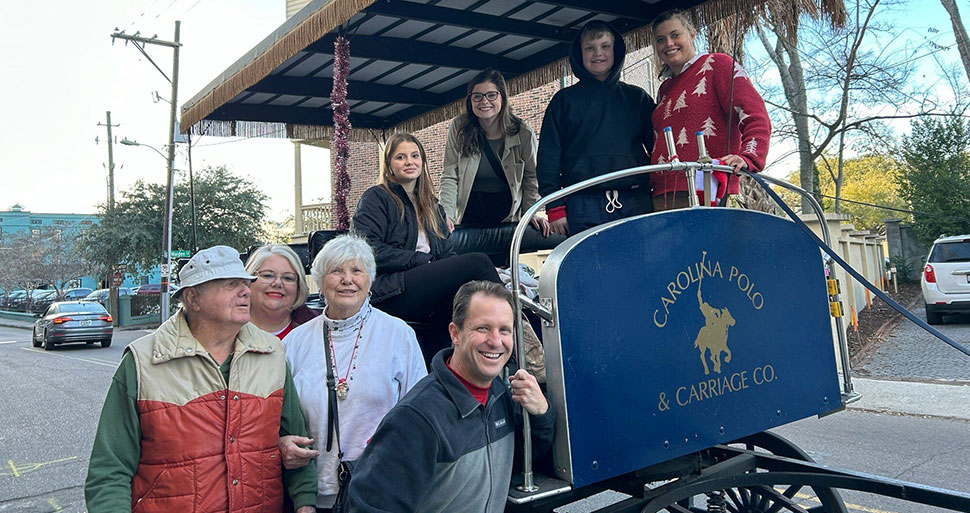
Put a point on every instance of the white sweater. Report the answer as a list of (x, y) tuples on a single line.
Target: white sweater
[(389, 362)]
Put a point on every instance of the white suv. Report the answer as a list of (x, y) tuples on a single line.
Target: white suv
[(946, 278)]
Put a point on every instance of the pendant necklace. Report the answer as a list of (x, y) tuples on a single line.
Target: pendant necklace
[(343, 384)]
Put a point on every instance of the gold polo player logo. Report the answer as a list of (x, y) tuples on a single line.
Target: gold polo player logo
[(712, 337)]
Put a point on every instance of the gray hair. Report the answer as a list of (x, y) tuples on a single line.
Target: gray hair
[(256, 259), (339, 250), (463, 298)]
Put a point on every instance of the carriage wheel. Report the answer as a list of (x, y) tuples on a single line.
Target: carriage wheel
[(766, 499)]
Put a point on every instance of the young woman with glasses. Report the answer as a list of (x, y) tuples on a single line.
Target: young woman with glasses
[(277, 297), (489, 174)]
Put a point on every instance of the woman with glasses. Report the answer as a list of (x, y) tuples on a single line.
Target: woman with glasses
[(277, 297), (489, 175)]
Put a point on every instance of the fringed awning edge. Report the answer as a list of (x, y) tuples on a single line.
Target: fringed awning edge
[(253, 129), (308, 31), (329, 17)]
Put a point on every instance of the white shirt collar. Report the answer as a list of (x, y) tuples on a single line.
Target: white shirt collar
[(670, 74)]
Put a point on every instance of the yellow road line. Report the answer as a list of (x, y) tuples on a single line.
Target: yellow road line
[(88, 360), (849, 505), (53, 502), (14, 468)]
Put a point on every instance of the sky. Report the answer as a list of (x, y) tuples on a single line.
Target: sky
[(60, 73)]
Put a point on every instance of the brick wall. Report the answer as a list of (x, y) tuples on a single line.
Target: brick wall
[(530, 106)]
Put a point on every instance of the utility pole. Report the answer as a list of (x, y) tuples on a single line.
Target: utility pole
[(166, 265), (111, 163), (112, 288), (195, 240)]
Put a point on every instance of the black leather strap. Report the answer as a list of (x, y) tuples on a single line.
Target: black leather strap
[(333, 420), (494, 162)]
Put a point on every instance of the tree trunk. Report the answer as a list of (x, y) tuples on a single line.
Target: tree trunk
[(963, 43), (793, 84)]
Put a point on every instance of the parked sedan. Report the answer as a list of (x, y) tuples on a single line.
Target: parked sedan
[(75, 294), (101, 295), (155, 289), (41, 299), (16, 300), (73, 321)]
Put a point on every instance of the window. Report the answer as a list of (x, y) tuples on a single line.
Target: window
[(60, 222), (86, 222), (35, 232), (36, 221)]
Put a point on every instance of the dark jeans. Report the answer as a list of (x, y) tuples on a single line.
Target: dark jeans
[(429, 289), (589, 208), (429, 293), (497, 241)]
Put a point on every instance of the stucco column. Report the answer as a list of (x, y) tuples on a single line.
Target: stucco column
[(297, 190)]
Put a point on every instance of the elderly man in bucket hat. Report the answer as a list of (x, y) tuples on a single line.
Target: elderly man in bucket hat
[(194, 412)]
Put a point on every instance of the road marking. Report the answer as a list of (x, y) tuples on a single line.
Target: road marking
[(849, 505), (8, 342), (88, 360), (19, 470), (53, 502)]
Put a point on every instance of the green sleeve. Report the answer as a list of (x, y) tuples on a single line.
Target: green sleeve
[(301, 483), (117, 444)]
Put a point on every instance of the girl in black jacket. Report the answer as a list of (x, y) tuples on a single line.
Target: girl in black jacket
[(417, 271)]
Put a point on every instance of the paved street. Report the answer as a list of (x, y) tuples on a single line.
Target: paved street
[(51, 404), (912, 353)]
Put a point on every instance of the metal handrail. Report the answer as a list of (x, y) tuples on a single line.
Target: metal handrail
[(691, 168), (847, 387)]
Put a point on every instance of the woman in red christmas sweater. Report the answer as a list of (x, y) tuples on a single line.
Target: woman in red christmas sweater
[(697, 97)]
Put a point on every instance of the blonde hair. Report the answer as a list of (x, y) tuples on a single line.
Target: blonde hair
[(256, 259), (672, 14), (427, 202)]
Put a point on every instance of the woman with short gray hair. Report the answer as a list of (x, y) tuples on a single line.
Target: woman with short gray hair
[(374, 357), (278, 296)]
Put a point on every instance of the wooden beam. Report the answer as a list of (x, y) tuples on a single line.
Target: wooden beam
[(472, 20), (419, 52), (356, 90)]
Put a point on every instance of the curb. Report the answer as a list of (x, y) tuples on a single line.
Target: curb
[(941, 399)]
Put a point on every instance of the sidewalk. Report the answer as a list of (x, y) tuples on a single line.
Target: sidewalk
[(913, 398), (14, 323)]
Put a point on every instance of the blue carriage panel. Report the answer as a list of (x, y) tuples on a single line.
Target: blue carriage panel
[(681, 330)]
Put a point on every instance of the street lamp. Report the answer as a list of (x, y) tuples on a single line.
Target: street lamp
[(129, 142), (166, 229)]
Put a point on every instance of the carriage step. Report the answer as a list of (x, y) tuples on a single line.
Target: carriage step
[(545, 487)]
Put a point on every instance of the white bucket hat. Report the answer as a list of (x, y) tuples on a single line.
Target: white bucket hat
[(215, 263)]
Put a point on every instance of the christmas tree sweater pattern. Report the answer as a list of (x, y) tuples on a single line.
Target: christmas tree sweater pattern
[(699, 99)]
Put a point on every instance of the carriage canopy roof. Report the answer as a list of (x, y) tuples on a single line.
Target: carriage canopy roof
[(410, 60)]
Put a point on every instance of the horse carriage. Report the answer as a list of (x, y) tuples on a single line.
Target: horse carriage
[(674, 341)]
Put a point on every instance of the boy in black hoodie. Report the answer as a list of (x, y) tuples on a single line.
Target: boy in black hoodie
[(594, 127)]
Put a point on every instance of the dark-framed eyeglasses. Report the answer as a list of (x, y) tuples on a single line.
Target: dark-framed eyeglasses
[(270, 277), (478, 97)]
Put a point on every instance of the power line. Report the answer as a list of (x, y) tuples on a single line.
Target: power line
[(894, 209)]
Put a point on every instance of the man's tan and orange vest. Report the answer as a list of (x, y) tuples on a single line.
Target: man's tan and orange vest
[(207, 447)]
